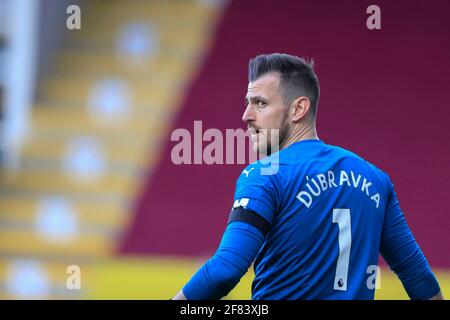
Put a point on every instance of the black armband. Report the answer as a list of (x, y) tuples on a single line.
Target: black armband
[(250, 217)]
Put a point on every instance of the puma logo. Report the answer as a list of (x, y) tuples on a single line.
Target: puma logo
[(246, 172)]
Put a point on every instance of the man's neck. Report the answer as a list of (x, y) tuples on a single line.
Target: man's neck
[(299, 133)]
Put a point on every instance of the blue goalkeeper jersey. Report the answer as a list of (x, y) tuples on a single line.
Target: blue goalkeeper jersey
[(330, 214)]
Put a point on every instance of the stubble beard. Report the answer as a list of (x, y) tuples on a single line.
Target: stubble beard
[(275, 146)]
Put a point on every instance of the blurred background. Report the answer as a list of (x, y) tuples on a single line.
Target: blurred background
[(86, 115)]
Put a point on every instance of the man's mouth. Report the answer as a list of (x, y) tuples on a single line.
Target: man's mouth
[(254, 134)]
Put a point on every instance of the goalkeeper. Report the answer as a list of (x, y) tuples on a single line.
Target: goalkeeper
[(315, 226)]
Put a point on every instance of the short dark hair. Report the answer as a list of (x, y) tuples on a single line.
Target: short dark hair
[(297, 76)]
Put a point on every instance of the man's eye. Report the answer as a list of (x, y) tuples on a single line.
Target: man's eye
[(261, 104)]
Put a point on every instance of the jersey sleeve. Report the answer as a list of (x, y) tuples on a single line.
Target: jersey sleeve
[(257, 192), (403, 254)]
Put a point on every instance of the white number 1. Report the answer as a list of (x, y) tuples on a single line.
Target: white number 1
[(342, 218)]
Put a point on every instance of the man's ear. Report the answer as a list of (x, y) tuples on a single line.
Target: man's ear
[(300, 108)]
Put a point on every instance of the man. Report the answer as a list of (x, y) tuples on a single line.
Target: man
[(314, 228)]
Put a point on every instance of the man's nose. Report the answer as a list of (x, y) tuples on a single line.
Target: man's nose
[(248, 115)]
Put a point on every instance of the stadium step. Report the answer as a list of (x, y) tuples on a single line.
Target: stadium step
[(17, 270), (97, 207), (19, 210), (54, 182), (138, 93), (164, 67), (27, 243)]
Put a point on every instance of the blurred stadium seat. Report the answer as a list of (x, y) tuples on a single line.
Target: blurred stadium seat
[(95, 132)]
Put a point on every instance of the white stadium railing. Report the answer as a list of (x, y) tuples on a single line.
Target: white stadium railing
[(18, 29)]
